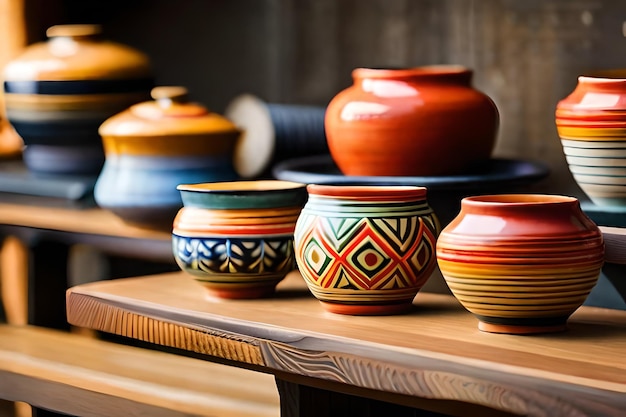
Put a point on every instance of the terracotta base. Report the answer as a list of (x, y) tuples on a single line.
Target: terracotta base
[(242, 293), (367, 310), (513, 329)]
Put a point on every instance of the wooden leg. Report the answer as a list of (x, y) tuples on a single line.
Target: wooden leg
[(14, 278), (14, 288), (33, 290), (47, 283), (298, 400)]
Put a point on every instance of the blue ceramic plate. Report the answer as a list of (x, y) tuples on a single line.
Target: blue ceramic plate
[(496, 171), (613, 216)]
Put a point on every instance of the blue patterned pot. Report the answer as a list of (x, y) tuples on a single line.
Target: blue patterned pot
[(236, 238)]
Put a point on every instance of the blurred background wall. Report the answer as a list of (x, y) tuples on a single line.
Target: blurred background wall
[(526, 54)]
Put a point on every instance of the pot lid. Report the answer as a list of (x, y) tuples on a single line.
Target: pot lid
[(169, 114), (77, 52)]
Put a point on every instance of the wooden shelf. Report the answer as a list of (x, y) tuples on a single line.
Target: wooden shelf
[(88, 221), (436, 352)]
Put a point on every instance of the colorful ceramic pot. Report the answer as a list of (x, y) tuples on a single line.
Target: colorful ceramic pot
[(521, 263), (410, 122), (58, 92), (236, 238), (154, 146), (366, 250), (591, 123)]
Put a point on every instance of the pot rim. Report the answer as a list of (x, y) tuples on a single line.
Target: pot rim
[(420, 71), (501, 200), (602, 83), (367, 191), (74, 30), (236, 187)]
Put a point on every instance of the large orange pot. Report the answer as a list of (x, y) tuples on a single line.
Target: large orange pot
[(410, 122)]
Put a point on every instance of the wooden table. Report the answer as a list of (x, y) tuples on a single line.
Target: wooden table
[(432, 359), (34, 276)]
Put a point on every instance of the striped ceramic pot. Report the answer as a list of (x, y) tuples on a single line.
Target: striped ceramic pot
[(591, 123), (236, 238), (154, 146), (521, 263), (366, 250), (58, 93)]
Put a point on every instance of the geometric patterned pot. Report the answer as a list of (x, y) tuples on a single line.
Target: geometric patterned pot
[(366, 250)]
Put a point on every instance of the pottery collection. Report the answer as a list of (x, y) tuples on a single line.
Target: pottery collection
[(236, 238), (58, 92), (521, 263), (420, 121), (366, 250), (154, 146), (591, 123)]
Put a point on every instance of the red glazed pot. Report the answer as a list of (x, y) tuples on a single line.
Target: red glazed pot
[(410, 122), (521, 263)]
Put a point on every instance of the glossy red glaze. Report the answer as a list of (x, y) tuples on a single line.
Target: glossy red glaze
[(523, 217), (595, 95), (591, 121), (595, 102), (521, 263), (411, 122)]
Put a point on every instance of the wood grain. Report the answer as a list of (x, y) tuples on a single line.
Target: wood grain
[(84, 376), (435, 352)]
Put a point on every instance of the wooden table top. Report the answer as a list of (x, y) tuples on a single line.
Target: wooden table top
[(434, 352)]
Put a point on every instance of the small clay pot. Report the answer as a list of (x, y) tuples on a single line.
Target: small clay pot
[(410, 122), (366, 250), (58, 93), (236, 238), (521, 263), (154, 146)]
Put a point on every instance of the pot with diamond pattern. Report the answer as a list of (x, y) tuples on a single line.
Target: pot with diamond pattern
[(366, 250)]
